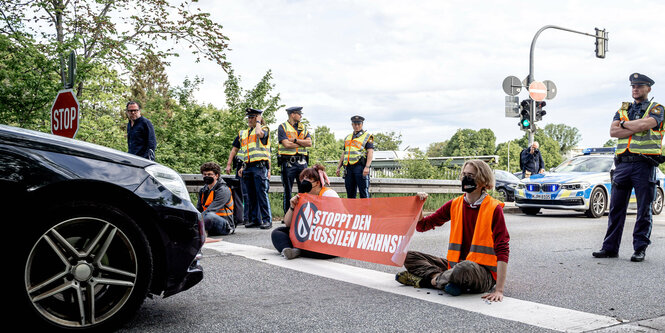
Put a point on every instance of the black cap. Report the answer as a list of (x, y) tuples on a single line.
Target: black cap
[(293, 109), (357, 119), (640, 79), (253, 112)]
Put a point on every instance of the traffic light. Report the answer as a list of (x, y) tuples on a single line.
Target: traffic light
[(525, 115), (539, 110), (601, 42)]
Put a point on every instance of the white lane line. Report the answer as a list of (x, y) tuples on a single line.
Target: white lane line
[(535, 314)]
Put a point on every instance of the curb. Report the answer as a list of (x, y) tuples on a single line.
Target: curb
[(510, 208)]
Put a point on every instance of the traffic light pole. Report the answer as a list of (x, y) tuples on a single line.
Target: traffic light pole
[(601, 47)]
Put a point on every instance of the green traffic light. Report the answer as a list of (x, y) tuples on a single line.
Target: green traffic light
[(526, 123)]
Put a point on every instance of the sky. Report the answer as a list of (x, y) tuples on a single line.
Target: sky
[(425, 69)]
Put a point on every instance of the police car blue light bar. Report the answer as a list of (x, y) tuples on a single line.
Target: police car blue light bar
[(602, 150)]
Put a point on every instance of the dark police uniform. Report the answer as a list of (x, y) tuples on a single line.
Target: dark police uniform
[(292, 160), (355, 158), (255, 155), (636, 161)]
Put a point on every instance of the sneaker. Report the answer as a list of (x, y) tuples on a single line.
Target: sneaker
[(452, 289), (290, 253), (408, 279)]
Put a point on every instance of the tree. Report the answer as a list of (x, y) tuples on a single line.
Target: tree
[(436, 149), (567, 136), (417, 167), (610, 143), (387, 141), (467, 142), (515, 150), (326, 147), (239, 99), (112, 33), (28, 83)]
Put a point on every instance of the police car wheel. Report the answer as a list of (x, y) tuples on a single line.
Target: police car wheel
[(597, 203), (87, 267), (657, 207)]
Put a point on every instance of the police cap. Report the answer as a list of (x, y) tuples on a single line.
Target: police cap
[(296, 109), (640, 79), (357, 119), (253, 112)]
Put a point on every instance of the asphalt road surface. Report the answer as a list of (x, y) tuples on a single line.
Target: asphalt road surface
[(553, 284)]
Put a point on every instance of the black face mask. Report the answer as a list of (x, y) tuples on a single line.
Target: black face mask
[(208, 180), (305, 186), (468, 184)]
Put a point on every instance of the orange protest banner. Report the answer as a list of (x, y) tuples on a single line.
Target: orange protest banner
[(376, 230)]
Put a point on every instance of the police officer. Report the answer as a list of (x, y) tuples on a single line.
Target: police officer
[(292, 153), (357, 158), (638, 126), (252, 146)]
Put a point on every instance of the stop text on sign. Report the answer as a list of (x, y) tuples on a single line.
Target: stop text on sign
[(64, 119)]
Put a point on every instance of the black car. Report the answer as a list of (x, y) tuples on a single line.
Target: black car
[(505, 184), (93, 230)]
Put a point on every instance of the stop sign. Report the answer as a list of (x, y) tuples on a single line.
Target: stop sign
[(65, 114)]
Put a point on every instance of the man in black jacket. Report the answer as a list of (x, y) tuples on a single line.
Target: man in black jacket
[(531, 162), (141, 139)]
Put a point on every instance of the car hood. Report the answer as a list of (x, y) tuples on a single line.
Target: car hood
[(43, 141), (565, 177)]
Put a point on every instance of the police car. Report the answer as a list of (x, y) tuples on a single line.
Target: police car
[(581, 183)]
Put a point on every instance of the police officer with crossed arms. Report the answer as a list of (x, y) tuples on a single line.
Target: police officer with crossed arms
[(638, 127)]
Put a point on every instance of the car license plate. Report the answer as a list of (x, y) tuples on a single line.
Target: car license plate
[(542, 196)]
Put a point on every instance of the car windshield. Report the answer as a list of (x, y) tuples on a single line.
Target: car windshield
[(586, 164), (505, 175)]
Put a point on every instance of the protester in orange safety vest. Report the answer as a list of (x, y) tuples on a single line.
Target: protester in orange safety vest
[(478, 252), (215, 202)]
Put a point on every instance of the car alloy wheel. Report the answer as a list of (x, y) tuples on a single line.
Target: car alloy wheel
[(82, 272), (597, 204), (657, 207)]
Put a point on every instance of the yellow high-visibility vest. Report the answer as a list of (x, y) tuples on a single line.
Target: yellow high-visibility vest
[(354, 148), (648, 142), (251, 147), (291, 134)]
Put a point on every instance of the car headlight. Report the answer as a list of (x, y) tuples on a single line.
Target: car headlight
[(521, 186), (575, 186), (170, 179)]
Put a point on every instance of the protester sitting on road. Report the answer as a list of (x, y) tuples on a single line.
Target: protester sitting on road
[(313, 181), (478, 252), (215, 202)]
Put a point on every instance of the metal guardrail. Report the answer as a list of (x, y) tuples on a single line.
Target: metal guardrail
[(378, 185)]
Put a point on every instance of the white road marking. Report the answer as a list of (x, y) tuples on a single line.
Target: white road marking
[(535, 314)]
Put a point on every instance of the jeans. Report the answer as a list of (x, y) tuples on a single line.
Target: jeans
[(216, 225)]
